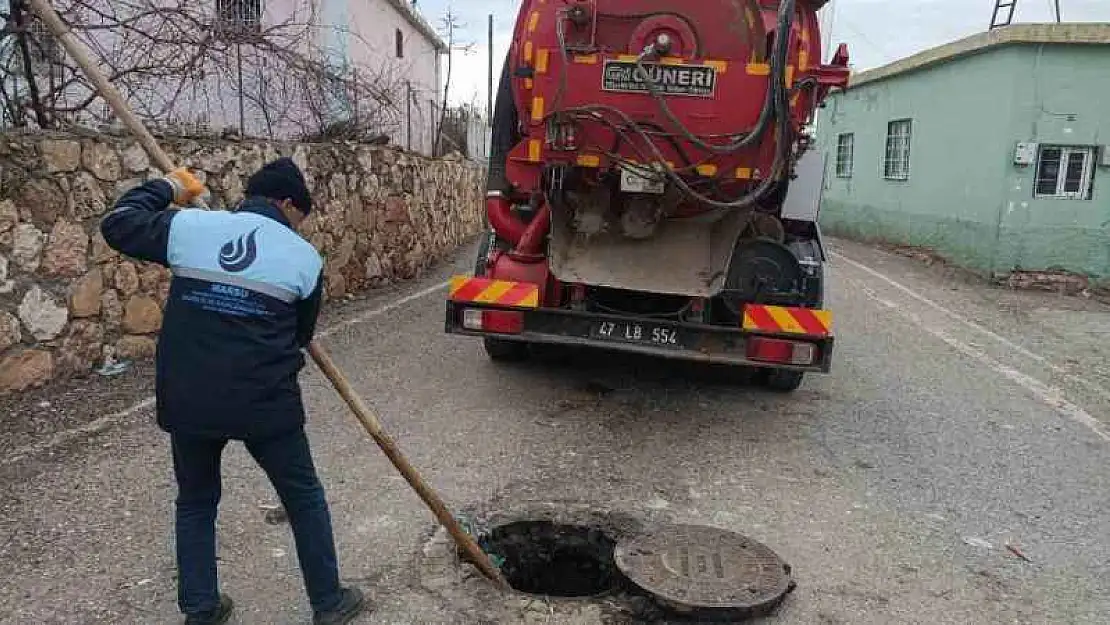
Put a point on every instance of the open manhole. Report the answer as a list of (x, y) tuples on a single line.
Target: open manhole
[(705, 572), (554, 560)]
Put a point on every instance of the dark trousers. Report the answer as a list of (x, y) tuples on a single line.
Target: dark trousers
[(287, 461)]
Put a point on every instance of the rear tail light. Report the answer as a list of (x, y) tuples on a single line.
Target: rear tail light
[(779, 351), (495, 321), (502, 322), (472, 319)]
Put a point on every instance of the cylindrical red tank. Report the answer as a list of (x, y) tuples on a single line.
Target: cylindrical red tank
[(577, 72), (709, 92)]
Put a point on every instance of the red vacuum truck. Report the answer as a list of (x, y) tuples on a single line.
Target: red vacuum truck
[(651, 186)]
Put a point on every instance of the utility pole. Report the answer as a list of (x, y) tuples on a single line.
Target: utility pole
[(408, 114), (489, 83), (242, 97), (1057, 4)]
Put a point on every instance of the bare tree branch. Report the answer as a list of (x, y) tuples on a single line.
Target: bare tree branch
[(449, 24), (176, 63), (21, 21)]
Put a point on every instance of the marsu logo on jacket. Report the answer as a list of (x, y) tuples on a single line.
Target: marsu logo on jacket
[(238, 254)]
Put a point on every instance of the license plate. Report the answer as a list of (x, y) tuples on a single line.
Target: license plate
[(634, 182), (631, 332)]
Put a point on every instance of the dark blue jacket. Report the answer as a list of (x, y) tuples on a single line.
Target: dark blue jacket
[(243, 302)]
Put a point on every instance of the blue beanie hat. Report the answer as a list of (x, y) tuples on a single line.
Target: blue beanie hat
[(279, 180)]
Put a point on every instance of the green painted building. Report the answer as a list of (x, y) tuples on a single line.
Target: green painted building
[(993, 150)]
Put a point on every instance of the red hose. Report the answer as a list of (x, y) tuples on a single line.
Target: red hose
[(501, 217), (531, 243)]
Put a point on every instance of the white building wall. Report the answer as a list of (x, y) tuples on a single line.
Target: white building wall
[(414, 77), (357, 35)]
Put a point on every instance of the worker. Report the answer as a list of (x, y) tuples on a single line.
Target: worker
[(243, 302)]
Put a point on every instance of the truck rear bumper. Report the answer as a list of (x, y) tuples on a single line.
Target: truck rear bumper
[(668, 339)]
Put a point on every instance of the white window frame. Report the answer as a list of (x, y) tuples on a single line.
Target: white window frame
[(845, 154), (896, 156), (1067, 153)]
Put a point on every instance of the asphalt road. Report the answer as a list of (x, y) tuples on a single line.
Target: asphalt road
[(957, 420)]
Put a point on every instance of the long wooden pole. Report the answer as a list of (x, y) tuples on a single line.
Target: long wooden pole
[(373, 427), (80, 54), (369, 421), (111, 95)]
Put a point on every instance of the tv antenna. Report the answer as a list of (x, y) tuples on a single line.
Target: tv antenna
[(1004, 12)]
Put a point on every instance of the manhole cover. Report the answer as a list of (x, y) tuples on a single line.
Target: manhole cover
[(704, 569)]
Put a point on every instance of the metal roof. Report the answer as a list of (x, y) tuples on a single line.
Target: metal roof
[(1015, 34)]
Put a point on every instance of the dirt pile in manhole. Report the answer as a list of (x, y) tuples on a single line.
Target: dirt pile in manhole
[(549, 559)]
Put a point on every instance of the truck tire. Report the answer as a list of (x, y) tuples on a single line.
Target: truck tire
[(500, 350), (484, 247), (783, 380)]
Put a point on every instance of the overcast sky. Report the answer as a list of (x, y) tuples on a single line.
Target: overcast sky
[(876, 31)]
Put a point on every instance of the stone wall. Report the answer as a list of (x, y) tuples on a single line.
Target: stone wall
[(69, 303)]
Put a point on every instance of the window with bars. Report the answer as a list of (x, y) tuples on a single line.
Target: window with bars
[(45, 48), (896, 164), (845, 154), (46, 52), (239, 16), (1064, 172)]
